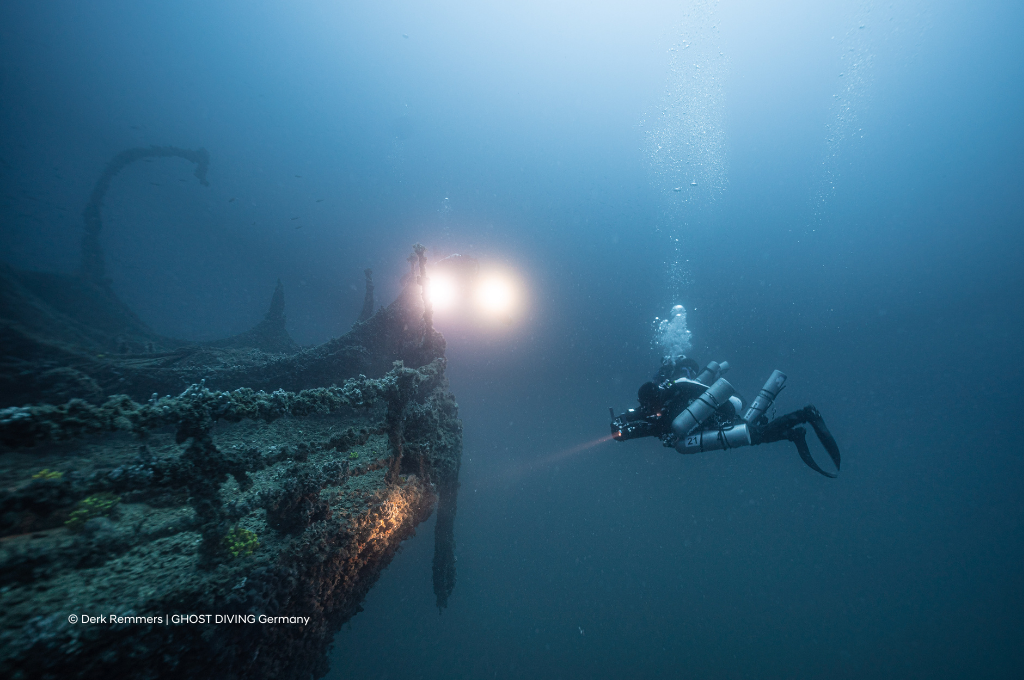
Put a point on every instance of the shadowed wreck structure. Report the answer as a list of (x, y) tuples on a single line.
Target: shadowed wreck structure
[(271, 490)]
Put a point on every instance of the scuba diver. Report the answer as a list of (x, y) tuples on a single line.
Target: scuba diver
[(696, 412)]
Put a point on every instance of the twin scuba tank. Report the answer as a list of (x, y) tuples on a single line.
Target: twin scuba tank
[(692, 438)]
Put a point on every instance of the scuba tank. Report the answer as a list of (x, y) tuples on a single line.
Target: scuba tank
[(701, 408), (766, 397), (730, 437), (712, 372)]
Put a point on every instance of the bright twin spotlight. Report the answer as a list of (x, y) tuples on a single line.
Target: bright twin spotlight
[(443, 291), (459, 286), (496, 296)]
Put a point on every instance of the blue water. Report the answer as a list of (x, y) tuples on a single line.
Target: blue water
[(856, 222)]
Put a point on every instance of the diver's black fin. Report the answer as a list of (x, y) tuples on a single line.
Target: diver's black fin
[(826, 438), (798, 436)]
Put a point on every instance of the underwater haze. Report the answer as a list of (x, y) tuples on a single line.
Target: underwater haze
[(828, 189)]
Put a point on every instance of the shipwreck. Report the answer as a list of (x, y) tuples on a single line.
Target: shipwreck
[(147, 481)]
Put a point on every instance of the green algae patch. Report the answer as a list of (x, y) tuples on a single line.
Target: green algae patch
[(240, 543), (96, 505)]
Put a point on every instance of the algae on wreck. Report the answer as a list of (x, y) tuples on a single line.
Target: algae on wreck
[(278, 482), (184, 471)]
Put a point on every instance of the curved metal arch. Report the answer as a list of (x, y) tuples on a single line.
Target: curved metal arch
[(93, 268)]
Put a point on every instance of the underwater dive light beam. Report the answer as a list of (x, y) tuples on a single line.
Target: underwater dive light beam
[(443, 292), (521, 469), (561, 455), (495, 295), (574, 450)]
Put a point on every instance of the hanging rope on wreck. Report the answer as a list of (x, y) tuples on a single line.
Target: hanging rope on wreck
[(93, 268)]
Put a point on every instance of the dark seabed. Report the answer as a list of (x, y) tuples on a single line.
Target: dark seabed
[(829, 189)]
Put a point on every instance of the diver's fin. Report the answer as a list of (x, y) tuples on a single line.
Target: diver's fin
[(826, 438), (798, 436)]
